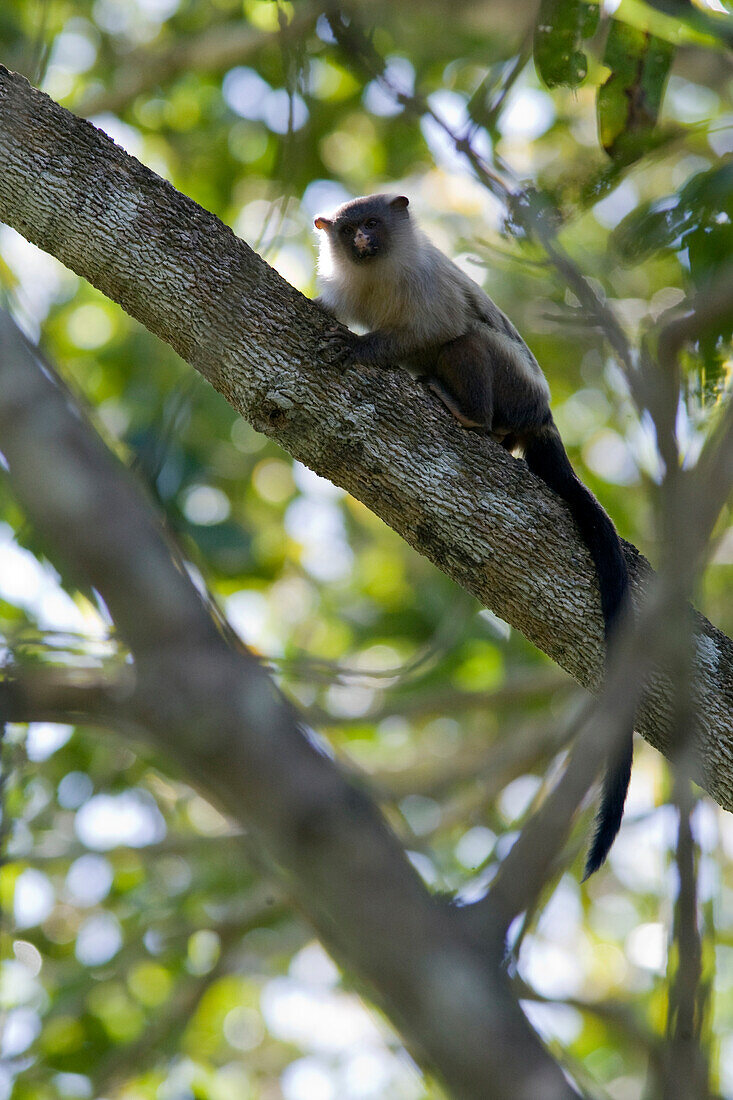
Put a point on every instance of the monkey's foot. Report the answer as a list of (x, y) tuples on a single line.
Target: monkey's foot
[(338, 349)]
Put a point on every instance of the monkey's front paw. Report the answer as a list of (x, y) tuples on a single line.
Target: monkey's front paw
[(339, 348)]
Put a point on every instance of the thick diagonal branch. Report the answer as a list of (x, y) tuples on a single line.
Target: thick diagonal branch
[(459, 500)]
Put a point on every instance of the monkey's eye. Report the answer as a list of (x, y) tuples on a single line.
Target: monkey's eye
[(371, 223), (345, 230)]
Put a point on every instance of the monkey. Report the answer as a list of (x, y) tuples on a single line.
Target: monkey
[(379, 271)]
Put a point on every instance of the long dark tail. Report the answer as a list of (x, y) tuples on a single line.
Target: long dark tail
[(545, 455)]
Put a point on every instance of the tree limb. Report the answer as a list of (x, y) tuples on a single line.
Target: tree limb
[(217, 713), (458, 499), (61, 695)]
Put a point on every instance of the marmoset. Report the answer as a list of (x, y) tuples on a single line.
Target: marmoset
[(380, 272)]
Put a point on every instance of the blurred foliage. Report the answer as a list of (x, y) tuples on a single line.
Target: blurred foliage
[(148, 957)]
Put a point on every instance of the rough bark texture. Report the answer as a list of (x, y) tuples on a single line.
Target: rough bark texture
[(457, 498)]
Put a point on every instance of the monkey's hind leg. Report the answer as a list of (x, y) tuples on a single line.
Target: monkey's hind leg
[(462, 380), (451, 404)]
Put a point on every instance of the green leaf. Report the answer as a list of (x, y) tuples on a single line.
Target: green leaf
[(629, 100), (677, 21), (561, 27)]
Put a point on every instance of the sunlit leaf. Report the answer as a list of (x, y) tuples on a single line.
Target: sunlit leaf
[(630, 98), (559, 32)]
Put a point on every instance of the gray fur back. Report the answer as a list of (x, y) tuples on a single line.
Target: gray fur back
[(418, 292)]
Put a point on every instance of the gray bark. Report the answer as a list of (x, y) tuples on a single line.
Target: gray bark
[(460, 500)]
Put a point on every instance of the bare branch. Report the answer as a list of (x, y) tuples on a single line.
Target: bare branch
[(61, 695), (686, 1069)]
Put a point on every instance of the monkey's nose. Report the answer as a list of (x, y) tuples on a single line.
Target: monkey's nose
[(361, 240)]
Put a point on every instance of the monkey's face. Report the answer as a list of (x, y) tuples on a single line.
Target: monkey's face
[(362, 230), (361, 239)]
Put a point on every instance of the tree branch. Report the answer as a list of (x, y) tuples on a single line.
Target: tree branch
[(686, 1066), (61, 695), (458, 499), (215, 710)]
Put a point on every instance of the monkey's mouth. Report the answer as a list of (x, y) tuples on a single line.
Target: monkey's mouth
[(366, 252)]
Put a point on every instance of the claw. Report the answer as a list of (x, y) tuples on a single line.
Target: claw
[(337, 349)]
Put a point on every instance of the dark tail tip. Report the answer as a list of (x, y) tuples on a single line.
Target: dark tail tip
[(545, 455), (611, 810)]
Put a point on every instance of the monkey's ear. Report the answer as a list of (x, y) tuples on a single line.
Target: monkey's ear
[(323, 223), (400, 202)]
